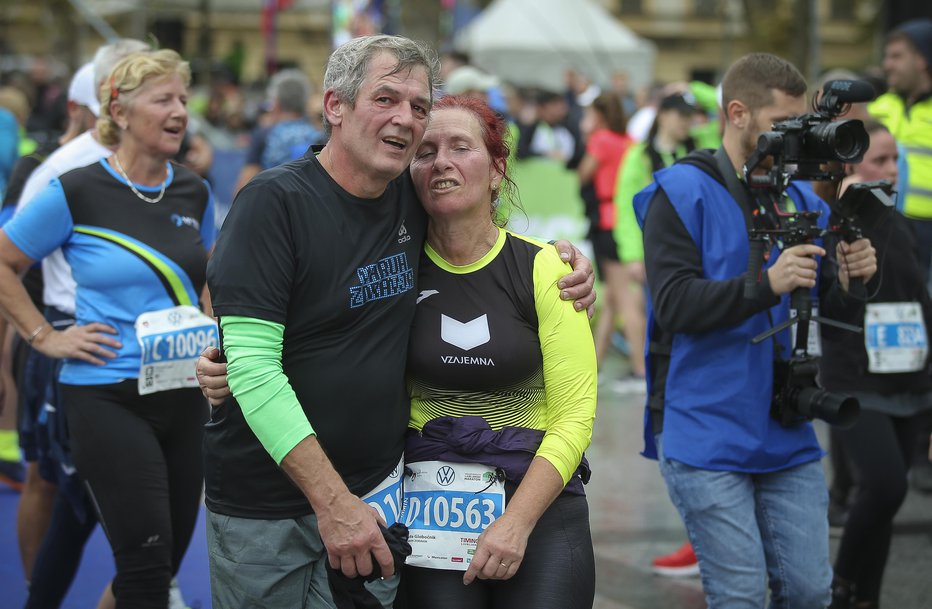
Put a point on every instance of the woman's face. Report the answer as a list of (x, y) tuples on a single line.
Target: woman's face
[(591, 121), (675, 124), (880, 159), (157, 116), (452, 171)]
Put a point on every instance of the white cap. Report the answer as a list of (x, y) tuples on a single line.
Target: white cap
[(82, 89), (468, 78)]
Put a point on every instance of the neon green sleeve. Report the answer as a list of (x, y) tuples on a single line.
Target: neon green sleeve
[(253, 348), (633, 176), (570, 369)]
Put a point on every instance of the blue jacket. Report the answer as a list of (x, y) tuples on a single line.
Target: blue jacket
[(719, 385)]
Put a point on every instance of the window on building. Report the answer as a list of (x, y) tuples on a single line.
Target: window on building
[(631, 7)]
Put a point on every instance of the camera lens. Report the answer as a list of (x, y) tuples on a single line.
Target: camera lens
[(833, 408), (844, 141), (848, 141)]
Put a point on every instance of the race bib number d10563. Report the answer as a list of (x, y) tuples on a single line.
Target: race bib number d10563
[(171, 341), (446, 507)]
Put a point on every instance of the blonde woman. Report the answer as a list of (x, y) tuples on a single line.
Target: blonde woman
[(135, 229)]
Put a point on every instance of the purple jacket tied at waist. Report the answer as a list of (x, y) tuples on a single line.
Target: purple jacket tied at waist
[(471, 440)]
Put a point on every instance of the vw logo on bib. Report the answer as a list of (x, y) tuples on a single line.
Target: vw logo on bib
[(446, 475)]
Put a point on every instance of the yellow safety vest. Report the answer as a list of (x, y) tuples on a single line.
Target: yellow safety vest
[(912, 130)]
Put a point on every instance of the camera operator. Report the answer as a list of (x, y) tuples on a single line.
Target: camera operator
[(890, 377), (750, 490)]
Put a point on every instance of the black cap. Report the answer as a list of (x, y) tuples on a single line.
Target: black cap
[(919, 31), (681, 102)]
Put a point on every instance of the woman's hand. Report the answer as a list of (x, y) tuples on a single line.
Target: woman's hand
[(858, 259), (499, 551), (84, 342), (212, 376)]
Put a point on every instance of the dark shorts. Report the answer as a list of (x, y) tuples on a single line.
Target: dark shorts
[(604, 248), (43, 433)]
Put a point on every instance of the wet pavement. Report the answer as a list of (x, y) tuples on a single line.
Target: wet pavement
[(633, 520)]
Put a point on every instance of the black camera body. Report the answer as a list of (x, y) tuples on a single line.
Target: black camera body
[(802, 146), (812, 140), (798, 398)]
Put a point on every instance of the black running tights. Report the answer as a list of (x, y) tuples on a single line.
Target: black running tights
[(878, 448), (140, 458), (558, 570)]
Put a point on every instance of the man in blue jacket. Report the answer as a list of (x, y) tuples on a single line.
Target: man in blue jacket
[(750, 490)]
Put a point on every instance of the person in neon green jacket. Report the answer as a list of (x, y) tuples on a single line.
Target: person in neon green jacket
[(669, 139)]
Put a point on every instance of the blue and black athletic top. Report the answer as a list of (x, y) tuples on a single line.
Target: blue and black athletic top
[(127, 256)]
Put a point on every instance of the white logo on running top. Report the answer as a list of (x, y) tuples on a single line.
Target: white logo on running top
[(424, 295), (403, 234), (467, 335)]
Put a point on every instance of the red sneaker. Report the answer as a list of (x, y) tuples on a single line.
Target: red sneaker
[(680, 563)]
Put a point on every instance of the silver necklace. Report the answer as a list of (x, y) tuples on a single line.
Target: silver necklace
[(133, 187)]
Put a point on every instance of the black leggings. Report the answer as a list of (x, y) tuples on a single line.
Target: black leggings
[(140, 458), (878, 447), (558, 570)]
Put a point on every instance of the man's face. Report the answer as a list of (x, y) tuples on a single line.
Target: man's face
[(783, 107), (903, 66), (381, 133)]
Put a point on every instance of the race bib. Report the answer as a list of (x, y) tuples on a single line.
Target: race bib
[(814, 344), (895, 337), (171, 341), (446, 508), (386, 497)]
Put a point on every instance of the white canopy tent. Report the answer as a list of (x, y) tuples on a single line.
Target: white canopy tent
[(534, 42)]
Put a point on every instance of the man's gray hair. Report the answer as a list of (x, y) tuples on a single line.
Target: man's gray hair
[(290, 89), (108, 55), (348, 65)]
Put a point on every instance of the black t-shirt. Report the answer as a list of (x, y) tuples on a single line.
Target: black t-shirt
[(338, 272)]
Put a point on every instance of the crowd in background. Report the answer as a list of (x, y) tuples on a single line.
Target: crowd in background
[(613, 137)]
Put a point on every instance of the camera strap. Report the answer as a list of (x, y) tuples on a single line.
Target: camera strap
[(742, 195)]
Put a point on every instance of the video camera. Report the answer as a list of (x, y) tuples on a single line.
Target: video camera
[(812, 147), (801, 147)]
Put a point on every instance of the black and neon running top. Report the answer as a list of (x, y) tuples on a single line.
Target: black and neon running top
[(493, 339), (127, 256)]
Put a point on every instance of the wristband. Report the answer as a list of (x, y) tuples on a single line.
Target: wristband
[(35, 333)]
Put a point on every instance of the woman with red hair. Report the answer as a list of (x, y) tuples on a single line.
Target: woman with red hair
[(502, 377)]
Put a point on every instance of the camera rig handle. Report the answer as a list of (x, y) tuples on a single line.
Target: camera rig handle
[(802, 229), (801, 300)]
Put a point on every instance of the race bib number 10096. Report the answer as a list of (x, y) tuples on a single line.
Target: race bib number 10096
[(171, 341)]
